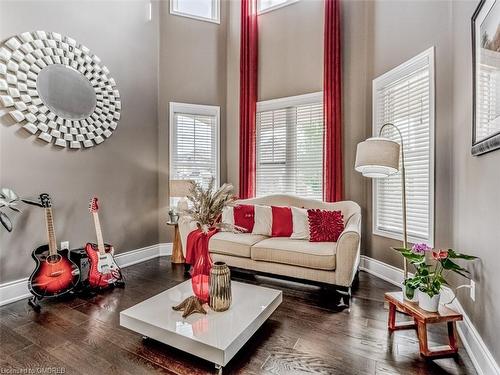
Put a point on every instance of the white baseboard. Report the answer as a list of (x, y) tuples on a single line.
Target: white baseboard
[(476, 348), (16, 290)]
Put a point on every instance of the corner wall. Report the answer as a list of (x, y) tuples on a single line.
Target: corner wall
[(291, 63), (476, 194), (122, 171), (192, 70)]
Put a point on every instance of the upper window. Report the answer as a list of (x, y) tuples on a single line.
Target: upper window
[(268, 5), (404, 97), (290, 146), (194, 142), (205, 10)]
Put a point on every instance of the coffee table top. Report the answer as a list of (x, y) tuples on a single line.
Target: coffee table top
[(216, 336)]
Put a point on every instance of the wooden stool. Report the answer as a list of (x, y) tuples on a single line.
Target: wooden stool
[(420, 320), (177, 256)]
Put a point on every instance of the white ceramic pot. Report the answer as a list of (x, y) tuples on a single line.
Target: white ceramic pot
[(427, 303), (406, 298)]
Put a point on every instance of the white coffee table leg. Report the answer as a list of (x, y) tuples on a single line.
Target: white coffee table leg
[(219, 369)]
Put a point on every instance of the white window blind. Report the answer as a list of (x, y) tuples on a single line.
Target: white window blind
[(488, 94), (205, 10), (268, 5), (290, 146), (194, 142), (405, 97)]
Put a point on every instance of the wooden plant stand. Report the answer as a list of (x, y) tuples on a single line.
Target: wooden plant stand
[(177, 256), (420, 320)]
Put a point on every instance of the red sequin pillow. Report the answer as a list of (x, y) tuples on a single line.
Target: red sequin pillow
[(244, 216), (325, 226)]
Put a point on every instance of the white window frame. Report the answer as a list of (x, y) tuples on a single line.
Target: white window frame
[(274, 7), (390, 76), (290, 101), (196, 109), (214, 19)]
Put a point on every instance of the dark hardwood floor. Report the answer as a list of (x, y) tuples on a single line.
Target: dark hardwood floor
[(304, 335)]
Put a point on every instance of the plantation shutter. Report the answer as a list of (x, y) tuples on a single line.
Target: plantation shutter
[(194, 147), (487, 93), (404, 97), (290, 148)]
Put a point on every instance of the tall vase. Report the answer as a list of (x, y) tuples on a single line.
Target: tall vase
[(220, 287), (200, 272)]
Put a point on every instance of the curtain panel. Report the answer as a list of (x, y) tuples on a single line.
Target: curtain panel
[(248, 96), (332, 145)]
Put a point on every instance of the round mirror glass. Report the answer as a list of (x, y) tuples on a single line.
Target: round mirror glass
[(67, 92)]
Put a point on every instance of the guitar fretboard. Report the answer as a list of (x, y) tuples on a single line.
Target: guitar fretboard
[(98, 232), (49, 219)]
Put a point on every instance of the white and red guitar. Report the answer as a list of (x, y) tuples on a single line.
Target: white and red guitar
[(104, 271)]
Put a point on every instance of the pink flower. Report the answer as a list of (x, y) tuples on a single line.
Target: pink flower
[(440, 255), (420, 248)]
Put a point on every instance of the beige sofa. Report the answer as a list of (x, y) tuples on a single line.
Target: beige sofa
[(333, 263)]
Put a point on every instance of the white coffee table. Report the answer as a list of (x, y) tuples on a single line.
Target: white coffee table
[(216, 336)]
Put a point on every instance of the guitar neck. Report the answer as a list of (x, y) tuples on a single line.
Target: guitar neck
[(49, 220), (98, 232)]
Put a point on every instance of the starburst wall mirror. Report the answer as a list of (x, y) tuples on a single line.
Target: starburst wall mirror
[(57, 90)]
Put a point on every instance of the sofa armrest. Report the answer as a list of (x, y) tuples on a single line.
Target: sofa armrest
[(186, 226), (348, 251)]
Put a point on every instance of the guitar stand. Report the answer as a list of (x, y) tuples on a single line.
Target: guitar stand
[(119, 284), (33, 302)]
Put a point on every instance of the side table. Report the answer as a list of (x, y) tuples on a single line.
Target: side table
[(420, 320), (177, 256)]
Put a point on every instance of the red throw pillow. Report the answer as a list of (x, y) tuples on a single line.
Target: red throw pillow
[(325, 226), (244, 216), (282, 221)]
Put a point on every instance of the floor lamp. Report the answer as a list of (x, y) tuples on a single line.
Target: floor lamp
[(378, 157)]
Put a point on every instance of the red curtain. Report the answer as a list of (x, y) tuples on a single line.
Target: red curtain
[(332, 147), (248, 96)]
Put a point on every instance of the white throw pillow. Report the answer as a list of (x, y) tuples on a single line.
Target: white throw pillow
[(300, 221), (263, 220), (228, 215)]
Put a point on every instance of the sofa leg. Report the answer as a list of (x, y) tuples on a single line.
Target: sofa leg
[(345, 295)]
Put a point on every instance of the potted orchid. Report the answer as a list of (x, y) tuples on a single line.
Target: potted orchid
[(428, 280)]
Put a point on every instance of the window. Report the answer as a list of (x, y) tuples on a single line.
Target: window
[(268, 5), (194, 142), (205, 10), (405, 97), (290, 146)]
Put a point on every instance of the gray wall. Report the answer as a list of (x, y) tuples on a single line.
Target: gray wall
[(192, 70), (291, 63), (476, 197), (466, 187), (400, 31), (122, 171)]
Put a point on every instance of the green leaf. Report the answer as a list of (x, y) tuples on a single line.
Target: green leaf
[(400, 249), (454, 255), (451, 265)]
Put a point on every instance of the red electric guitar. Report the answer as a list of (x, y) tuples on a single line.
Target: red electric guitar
[(104, 271), (55, 274)]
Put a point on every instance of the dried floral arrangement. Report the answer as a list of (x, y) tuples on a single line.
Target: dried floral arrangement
[(207, 205)]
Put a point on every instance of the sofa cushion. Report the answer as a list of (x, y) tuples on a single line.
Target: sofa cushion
[(236, 244), (318, 255)]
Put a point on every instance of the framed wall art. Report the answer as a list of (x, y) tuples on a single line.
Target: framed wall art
[(486, 77)]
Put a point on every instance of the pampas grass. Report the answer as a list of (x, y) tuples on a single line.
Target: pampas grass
[(207, 205)]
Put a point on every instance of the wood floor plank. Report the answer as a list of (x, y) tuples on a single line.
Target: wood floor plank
[(305, 335)]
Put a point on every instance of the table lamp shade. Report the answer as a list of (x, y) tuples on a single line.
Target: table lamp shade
[(179, 188), (377, 157)]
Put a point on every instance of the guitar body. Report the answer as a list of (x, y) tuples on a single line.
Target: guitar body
[(54, 275), (104, 271)]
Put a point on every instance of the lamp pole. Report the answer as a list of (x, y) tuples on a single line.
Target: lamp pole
[(403, 188)]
